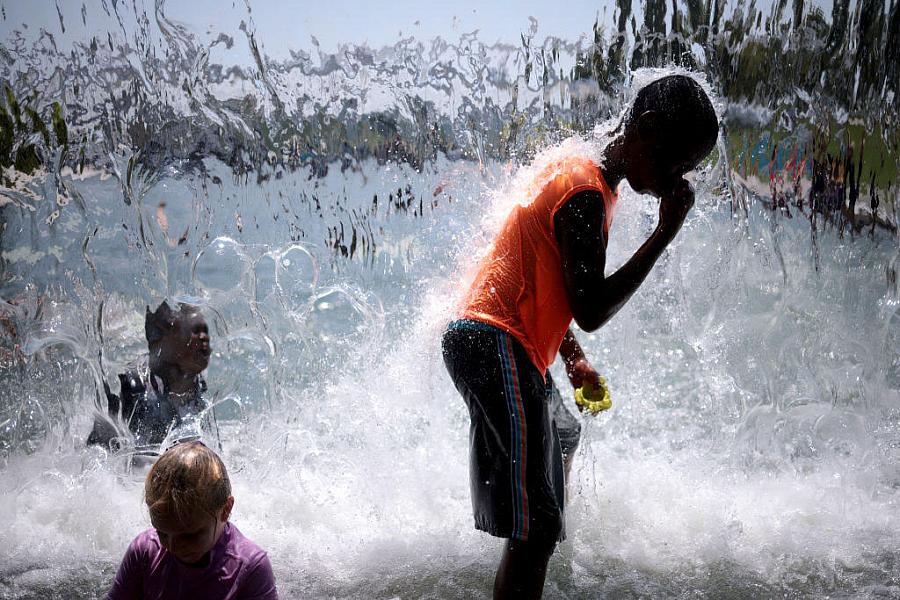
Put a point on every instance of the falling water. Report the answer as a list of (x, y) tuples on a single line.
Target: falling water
[(320, 193)]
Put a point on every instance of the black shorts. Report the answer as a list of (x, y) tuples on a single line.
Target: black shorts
[(516, 467)]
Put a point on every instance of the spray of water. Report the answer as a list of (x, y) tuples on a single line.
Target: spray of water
[(325, 221)]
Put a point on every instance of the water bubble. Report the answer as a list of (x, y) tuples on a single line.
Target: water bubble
[(296, 277), (340, 313), (242, 369), (220, 266), (265, 273)]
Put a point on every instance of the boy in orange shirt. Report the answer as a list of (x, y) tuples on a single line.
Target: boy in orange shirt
[(545, 268)]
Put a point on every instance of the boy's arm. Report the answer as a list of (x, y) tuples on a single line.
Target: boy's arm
[(593, 297), (578, 368)]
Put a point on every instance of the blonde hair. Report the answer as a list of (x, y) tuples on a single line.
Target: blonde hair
[(188, 478)]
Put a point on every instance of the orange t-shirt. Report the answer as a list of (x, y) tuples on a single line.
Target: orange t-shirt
[(519, 287)]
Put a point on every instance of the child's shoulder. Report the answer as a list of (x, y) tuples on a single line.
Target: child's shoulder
[(569, 174), (260, 579), (579, 161), (584, 171), (243, 546), (147, 540), (143, 548), (567, 171), (133, 378), (568, 164)]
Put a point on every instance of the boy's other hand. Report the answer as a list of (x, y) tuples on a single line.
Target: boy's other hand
[(674, 206), (581, 371)]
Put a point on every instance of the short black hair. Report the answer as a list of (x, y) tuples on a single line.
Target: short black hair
[(684, 108), (161, 321)]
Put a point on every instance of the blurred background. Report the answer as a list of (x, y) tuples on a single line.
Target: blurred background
[(319, 181)]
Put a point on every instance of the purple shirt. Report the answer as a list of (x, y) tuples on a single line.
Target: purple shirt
[(238, 570)]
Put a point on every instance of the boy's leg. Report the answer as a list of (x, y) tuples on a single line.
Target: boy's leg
[(523, 568), (516, 465)]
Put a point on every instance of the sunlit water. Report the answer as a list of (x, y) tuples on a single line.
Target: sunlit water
[(752, 449)]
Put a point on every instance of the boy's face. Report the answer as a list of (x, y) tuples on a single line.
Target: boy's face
[(190, 539), (187, 343), (656, 168)]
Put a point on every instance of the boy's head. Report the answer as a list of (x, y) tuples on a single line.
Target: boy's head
[(188, 494), (178, 336), (669, 129)]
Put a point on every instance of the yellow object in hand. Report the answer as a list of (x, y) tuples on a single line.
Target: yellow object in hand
[(594, 400)]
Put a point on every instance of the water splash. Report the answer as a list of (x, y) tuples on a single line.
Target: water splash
[(320, 207)]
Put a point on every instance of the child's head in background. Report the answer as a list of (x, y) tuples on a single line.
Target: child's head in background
[(178, 336)]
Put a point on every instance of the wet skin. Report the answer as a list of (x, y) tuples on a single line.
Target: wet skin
[(187, 344), (653, 166)]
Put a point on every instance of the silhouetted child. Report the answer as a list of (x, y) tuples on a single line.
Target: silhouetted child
[(546, 267), (168, 392), (192, 550)]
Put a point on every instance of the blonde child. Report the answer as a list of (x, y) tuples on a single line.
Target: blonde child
[(192, 550)]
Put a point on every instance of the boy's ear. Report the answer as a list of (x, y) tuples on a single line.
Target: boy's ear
[(648, 127), (226, 510)]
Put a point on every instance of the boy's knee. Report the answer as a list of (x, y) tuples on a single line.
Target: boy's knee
[(534, 547)]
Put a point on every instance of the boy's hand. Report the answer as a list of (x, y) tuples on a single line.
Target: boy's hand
[(674, 206), (581, 372)]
